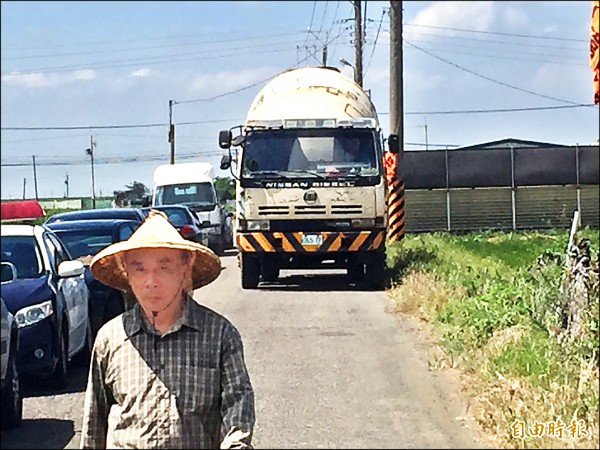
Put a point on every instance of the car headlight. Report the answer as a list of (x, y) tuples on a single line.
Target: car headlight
[(33, 314), (255, 225)]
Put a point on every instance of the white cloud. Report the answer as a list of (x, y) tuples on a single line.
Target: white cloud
[(549, 29), (211, 84), (460, 14), (514, 17), (41, 80), (84, 74), (145, 72)]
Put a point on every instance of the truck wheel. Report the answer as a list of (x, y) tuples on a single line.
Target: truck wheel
[(270, 271), (356, 269), (375, 273), (250, 270), (12, 401)]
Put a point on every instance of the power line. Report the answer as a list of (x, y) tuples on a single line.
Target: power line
[(530, 36), (187, 44), (492, 41), (472, 111), (101, 127), (501, 110), (498, 56), (210, 99), (153, 38), (375, 42), (153, 59), (491, 79), (312, 17)]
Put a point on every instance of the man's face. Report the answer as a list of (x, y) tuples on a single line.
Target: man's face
[(156, 275)]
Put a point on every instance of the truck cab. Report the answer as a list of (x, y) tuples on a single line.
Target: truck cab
[(311, 190), (192, 185)]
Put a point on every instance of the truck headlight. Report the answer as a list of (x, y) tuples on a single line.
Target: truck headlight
[(257, 225), (33, 314), (363, 223)]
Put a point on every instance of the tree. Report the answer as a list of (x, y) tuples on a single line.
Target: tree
[(226, 186), (137, 191)]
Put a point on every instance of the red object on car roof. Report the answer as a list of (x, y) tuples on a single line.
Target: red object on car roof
[(21, 210)]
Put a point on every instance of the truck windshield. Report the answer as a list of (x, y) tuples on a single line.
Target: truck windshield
[(310, 152), (196, 195)]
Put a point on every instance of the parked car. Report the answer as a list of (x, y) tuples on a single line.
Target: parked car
[(12, 401), (49, 300), (83, 239), (101, 213), (185, 220)]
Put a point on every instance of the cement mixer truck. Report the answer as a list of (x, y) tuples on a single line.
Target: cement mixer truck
[(310, 184)]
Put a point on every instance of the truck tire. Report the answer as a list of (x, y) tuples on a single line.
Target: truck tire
[(356, 269), (376, 271), (250, 271), (270, 271)]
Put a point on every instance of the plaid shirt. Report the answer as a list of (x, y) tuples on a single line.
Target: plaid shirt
[(186, 389)]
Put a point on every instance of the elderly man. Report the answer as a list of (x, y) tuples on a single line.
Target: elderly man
[(168, 373)]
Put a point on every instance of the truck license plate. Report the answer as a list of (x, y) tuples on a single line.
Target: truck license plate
[(312, 239)]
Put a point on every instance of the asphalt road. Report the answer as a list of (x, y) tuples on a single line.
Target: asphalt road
[(330, 369)]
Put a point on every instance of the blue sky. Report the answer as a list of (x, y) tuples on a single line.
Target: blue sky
[(102, 64)]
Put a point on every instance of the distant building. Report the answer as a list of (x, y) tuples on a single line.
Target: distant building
[(509, 142)]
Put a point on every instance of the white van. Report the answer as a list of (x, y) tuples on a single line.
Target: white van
[(192, 185)]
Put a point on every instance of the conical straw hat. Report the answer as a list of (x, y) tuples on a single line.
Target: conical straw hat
[(155, 232)]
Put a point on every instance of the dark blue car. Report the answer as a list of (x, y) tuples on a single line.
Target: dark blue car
[(101, 213), (49, 300), (83, 239)]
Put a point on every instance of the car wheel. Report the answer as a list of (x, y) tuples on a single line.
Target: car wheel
[(59, 376), (12, 401)]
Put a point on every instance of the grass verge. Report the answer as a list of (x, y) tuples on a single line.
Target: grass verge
[(494, 308)]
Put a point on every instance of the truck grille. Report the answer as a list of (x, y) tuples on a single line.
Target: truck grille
[(310, 209), (273, 210), (305, 210), (346, 209)]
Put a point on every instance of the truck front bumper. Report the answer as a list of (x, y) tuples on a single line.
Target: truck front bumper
[(310, 242)]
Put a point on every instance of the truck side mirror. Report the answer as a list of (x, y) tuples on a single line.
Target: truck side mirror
[(225, 138), (225, 162), (394, 143)]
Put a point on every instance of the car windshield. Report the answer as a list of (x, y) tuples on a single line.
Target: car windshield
[(196, 195), (299, 152), (85, 242), (23, 252), (176, 216)]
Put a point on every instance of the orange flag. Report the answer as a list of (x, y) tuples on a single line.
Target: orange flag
[(594, 51)]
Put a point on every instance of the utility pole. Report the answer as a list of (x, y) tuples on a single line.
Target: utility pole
[(90, 152), (171, 131), (426, 135), (396, 80), (358, 44), (35, 178), (67, 185), (325, 49), (24, 187)]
